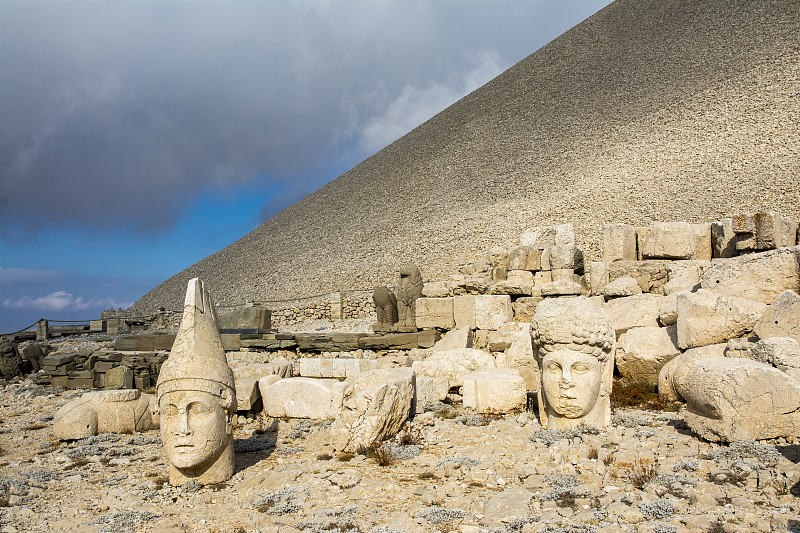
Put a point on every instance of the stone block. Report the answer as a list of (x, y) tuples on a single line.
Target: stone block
[(681, 285), (563, 274), (303, 398), (453, 365), (668, 312), (624, 286), (134, 343), (641, 352), (517, 283), (115, 411), (525, 258), (651, 274), (702, 241), (781, 318), (231, 342), (119, 377), (437, 289), (455, 339), (731, 399), (430, 391), (524, 307), (789, 232), (781, 352), (598, 276), (561, 288), (496, 391), (328, 342), (491, 311), (391, 341), (743, 223), (435, 313), (247, 394), (250, 318), (563, 256), (281, 368), (519, 356), (629, 312), (375, 407), (265, 382), (427, 338), (619, 242), (723, 238), (669, 240), (707, 318), (760, 277)]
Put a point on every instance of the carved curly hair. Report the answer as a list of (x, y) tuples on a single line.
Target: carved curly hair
[(573, 323)]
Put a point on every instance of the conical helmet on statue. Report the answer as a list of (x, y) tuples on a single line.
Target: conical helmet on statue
[(197, 361)]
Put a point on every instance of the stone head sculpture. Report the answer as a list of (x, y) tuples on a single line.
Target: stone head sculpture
[(574, 343), (196, 396)]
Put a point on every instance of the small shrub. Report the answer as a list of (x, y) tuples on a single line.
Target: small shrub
[(440, 515), (639, 394), (657, 509), (427, 475), (382, 453), (642, 472), (550, 436), (324, 456), (717, 526), (276, 502), (410, 434), (345, 456)]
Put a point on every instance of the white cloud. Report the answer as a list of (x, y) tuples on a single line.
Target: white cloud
[(63, 301), (416, 104)]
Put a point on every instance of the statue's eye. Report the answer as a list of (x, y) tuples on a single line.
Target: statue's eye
[(552, 366), (170, 410), (580, 368), (199, 409)]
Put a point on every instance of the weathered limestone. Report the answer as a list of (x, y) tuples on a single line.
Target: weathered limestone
[(763, 231), (33, 354), (705, 317), (619, 242), (723, 238), (265, 382), (732, 399), (563, 256), (118, 411), (497, 390), (10, 359), (561, 288), (781, 352), (386, 309), (542, 237), (517, 283), (574, 343), (782, 318), (680, 284), (251, 319), (280, 367), (435, 313), (525, 258), (408, 291), (336, 367), (633, 311), (197, 396), (118, 377), (702, 241), (668, 240), (318, 399), (375, 407), (453, 365), (454, 340), (429, 391), (624, 286), (651, 274), (524, 307), (668, 312), (760, 277), (432, 289), (642, 352), (247, 394), (519, 356), (482, 311), (676, 370)]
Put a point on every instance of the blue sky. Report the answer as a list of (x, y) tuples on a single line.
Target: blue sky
[(137, 138)]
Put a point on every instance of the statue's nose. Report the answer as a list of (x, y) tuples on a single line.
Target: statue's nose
[(182, 427)]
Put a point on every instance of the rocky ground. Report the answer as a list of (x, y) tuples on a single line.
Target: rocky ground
[(449, 470)]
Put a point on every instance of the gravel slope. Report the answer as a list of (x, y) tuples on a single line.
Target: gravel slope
[(648, 110)]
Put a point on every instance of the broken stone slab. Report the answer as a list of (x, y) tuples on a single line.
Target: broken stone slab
[(760, 277), (144, 343), (650, 274), (247, 394), (629, 312), (723, 238), (265, 382), (337, 367), (706, 317), (453, 365), (375, 407), (642, 352), (598, 276), (455, 339), (624, 286), (668, 312), (690, 269), (781, 318), (681, 284), (731, 399), (390, 341), (525, 258), (270, 343), (558, 257), (429, 391), (118, 377), (519, 355), (561, 288), (482, 311), (741, 347), (437, 289), (669, 240), (115, 411), (327, 342), (500, 340), (504, 507), (251, 318), (435, 313), (619, 242), (781, 352), (280, 367), (676, 369), (495, 391), (517, 283), (702, 241), (317, 399)]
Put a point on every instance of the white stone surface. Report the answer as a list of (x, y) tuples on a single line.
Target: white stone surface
[(624, 286), (303, 398), (669, 240), (705, 317), (453, 365), (781, 318), (498, 390), (641, 352), (619, 242), (455, 339), (634, 311), (676, 370), (435, 313), (760, 277)]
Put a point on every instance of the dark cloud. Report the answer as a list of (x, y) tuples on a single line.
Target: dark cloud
[(114, 113)]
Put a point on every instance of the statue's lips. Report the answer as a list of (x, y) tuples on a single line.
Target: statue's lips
[(183, 446)]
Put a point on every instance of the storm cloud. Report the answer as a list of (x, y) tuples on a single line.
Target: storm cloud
[(116, 114)]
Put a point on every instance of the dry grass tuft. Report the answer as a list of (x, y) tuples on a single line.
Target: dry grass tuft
[(642, 472), (640, 395)]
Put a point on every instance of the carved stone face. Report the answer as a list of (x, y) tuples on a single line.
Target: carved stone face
[(571, 382), (194, 428)]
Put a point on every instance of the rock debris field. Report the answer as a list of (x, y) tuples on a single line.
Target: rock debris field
[(448, 470)]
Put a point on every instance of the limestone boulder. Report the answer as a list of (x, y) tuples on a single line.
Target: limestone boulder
[(619, 242), (519, 356), (540, 238), (524, 307), (118, 377), (624, 286), (563, 256), (723, 238), (525, 258), (453, 365), (375, 407), (781, 352), (454, 340), (702, 241), (781, 318), (680, 284), (517, 283), (668, 312), (429, 391), (561, 288), (641, 310), (317, 399), (705, 317), (642, 352), (435, 313), (669, 240), (247, 394), (282, 368), (437, 289), (760, 277), (492, 311), (650, 274), (676, 369), (496, 391), (731, 399), (113, 411)]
